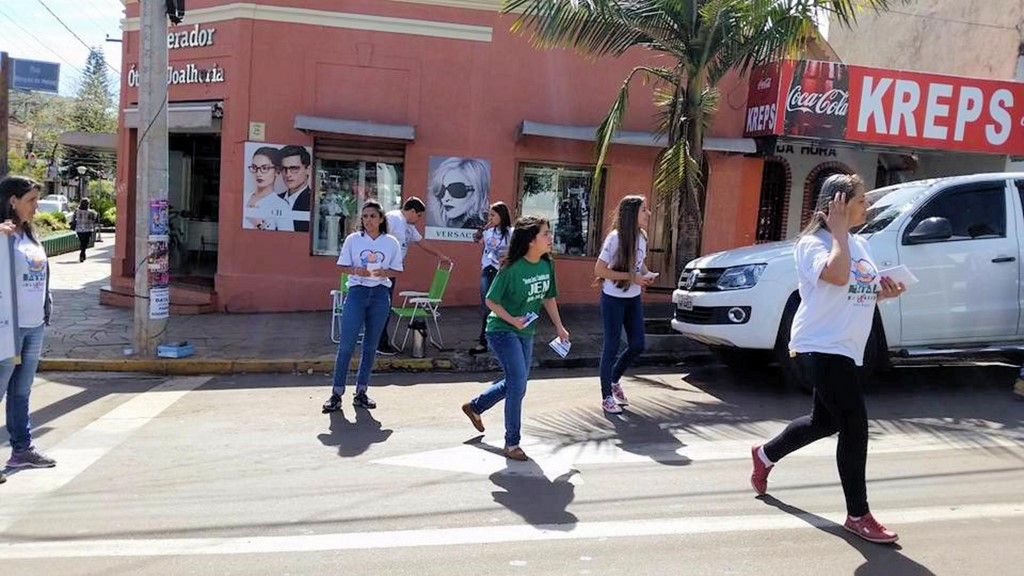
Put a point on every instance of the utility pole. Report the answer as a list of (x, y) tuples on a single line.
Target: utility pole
[(152, 299), (5, 110)]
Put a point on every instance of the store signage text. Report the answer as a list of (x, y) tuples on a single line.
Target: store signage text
[(805, 150), (187, 74), (833, 101), (195, 38)]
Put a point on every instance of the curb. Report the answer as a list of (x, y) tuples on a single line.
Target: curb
[(325, 364)]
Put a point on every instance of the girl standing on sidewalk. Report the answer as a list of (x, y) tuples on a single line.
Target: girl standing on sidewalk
[(495, 237), (371, 258), (19, 197), (84, 224), (621, 266), (525, 282), (839, 288)]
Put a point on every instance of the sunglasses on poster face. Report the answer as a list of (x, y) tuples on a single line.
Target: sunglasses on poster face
[(458, 190)]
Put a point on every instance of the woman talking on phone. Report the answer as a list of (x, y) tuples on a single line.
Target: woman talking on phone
[(525, 282), (371, 258), (839, 287), (621, 267)]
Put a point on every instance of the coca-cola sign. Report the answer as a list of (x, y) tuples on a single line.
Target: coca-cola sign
[(834, 102)]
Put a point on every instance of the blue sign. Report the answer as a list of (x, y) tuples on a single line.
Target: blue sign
[(35, 75)]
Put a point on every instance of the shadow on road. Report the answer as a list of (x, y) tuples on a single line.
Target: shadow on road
[(355, 437), (879, 559), (539, 501)]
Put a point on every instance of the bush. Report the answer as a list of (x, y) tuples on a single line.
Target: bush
[(50, 223), (108, 217)]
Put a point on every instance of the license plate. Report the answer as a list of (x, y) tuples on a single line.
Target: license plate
[(686, 303)]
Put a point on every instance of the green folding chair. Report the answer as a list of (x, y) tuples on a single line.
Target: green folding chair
[(423, 305), (337, 304)]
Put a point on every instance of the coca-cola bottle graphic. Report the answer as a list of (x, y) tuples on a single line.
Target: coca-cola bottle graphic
[(818, 100)]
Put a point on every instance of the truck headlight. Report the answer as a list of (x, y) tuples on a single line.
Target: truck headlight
[(740, 277)]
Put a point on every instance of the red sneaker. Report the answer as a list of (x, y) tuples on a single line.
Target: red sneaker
[(869, 529), (759, 477)]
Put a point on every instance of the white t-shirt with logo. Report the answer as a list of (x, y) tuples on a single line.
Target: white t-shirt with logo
[(609, 250), (834, 319), (400, 228), (362, 251), (31, 269), (495, 247)]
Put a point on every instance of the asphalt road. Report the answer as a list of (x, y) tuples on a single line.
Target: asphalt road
[(244, 475)]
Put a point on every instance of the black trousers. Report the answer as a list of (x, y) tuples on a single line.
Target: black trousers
[(838, 407), (83, 243)]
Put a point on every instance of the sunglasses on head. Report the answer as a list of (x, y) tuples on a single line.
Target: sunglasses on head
[(457, 190)]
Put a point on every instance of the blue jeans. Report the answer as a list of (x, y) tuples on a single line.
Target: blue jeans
[(514, 353), (617, 313), (486, 279), (366, 309), (16, 381)]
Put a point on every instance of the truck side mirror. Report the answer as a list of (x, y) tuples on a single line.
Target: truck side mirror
[(931, 230)]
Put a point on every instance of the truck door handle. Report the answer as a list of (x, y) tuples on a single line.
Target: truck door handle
[(1002, 259)]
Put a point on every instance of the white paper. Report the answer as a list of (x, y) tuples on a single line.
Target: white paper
[(652, 275), (900, 274), (561, 347), (159, 303), (529, 317)]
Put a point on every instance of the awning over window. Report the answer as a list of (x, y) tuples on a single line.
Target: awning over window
[(184, 116), (355, 128), (95, 141), (625, 137)]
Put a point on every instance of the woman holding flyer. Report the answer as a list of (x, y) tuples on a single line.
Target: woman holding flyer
[(525, 282), (371, 258), (621, 267), (839, 288), (495, 239)]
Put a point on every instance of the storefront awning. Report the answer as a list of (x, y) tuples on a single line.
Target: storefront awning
[(355, 128), (184, 116), (91, 140), (628, 138)]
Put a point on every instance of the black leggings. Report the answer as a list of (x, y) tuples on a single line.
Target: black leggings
[(83, 243), (838, 407)]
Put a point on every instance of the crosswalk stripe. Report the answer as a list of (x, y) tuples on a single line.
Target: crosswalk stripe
[(481, 534)]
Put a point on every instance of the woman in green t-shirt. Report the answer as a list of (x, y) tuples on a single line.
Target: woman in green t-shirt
[(525, 282)]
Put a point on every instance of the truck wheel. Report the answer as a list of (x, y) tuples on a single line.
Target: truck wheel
[(787, 366)]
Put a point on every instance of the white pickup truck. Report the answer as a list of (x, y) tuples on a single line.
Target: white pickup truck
[(962, 237)]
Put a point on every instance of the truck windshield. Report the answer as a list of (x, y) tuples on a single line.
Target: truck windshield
[(887, 205)]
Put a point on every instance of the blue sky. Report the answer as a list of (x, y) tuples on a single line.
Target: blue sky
[(28, 31)]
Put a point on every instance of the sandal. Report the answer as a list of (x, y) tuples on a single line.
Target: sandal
[(516, 453)]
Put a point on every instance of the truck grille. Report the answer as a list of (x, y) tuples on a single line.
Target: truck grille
[(705, 280)]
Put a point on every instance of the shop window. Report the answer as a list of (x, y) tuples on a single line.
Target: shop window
[(564, 195), (342, 185)]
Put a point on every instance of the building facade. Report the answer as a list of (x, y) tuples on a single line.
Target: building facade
[(286, 114)]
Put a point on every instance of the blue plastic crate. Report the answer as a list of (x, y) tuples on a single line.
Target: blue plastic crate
[(175, 350)]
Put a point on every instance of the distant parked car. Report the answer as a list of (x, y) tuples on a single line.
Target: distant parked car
[(54, 207), (65, 204)]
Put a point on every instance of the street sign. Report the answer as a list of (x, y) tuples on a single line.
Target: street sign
[(35, 75)]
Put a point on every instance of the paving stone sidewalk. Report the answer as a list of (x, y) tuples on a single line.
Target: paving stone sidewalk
[(82, 328)]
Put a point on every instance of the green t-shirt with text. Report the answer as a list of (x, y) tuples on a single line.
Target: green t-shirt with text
[(521, 288)]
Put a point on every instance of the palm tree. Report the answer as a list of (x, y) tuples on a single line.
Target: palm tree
[(700, 41)]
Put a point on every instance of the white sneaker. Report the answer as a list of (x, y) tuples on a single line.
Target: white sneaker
[(611, 406), (619, 395)]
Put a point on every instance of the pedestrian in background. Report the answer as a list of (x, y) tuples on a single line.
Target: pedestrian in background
[(525, 282), (84, 224), (621, 268), (19, 199), (839, 288), (495, 237), (371, 258)]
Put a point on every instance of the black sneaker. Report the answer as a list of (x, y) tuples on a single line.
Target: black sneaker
[(333, 404), (363, 401), (386, 349)]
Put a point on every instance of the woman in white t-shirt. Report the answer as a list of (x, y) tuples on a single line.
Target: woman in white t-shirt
[(495, 238), (371, 258), (624, 275), (839, 288), (19, 198)]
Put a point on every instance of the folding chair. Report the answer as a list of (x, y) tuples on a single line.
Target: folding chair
[(423, 305), (337, 305)]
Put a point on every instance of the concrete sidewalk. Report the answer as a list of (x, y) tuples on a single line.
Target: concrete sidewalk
[(86, 336)]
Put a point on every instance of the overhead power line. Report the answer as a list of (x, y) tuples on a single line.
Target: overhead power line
[(77, 37), (41, 43)]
